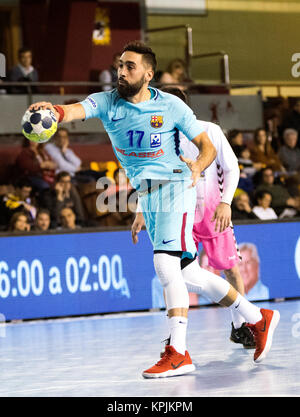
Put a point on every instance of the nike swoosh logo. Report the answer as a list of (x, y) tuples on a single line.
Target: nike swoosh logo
[(238, 305), (176, 366), (168, 241), (115, 120), (264, 329)]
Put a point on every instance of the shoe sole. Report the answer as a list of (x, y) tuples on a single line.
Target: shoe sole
[(274, 322), (171, 372)]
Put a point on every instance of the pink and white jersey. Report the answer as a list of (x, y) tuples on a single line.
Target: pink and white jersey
[(217, 183)]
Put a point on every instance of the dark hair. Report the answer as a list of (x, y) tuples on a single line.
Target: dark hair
[(23, 50), (176, 92), (259, 194), (62, 174), (42, 211), (14, 218), (256, 132), (140, 47), (232, 134), (22, 182)]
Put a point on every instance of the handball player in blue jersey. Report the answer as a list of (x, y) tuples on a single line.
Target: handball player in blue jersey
[(143, 124)]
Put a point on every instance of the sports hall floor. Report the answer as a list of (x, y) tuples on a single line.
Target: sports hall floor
[(103, 356)]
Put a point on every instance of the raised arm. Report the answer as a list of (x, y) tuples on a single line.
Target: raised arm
[(63, 113)]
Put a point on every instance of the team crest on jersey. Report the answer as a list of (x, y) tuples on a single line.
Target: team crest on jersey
[(156, 121), (155, 140)]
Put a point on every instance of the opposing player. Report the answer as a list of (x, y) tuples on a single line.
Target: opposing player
[(212, 225), (143, 125)]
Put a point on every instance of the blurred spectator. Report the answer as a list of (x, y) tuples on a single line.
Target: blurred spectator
[(263, 209), (263, 153), (289, 153), (17, 200), (62, 194), (110, 76), (24, 71), (59, 151), (117, 195), (34, 163), (235, 138), (66, 160), (175, 74), (292, 120), (241, 208), (68, 219), (42, 220), (281, 198), (19, 222), (247, 166)]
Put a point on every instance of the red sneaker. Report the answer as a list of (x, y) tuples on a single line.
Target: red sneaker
[(263, 332), (171, 364)]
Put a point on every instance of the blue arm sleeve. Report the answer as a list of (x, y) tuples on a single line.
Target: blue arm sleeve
[(185, 119), (95, 105)]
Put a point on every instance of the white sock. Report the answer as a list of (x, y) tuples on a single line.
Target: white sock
[(178, 326), (248, 310), (237, 318)]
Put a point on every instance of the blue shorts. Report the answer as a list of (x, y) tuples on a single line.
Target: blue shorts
[(169, 212)]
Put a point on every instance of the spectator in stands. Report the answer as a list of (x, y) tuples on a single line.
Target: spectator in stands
[(292, 120), (289, 153), (24, 71), (42, 220), (62, 194), (59, 151), (118, 194), (175, 74), (247, 166), (235, 138), (66, 160), (263, 209), (18, 200), (281, 198), (35, 164), (241, 208), (68, 219), (19, 222), (262, 152), (110, 76)]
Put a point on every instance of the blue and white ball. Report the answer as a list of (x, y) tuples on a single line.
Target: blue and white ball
[(39, 125)]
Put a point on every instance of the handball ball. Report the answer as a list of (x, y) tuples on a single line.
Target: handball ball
[(39, 125)]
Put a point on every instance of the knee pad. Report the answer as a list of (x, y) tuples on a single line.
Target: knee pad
[(201, 281)]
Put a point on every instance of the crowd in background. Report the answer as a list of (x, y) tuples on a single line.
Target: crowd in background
[(51, 190)]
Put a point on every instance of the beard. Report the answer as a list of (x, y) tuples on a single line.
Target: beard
[(129, 90)]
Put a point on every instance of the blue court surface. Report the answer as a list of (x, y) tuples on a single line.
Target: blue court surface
[(103, 356)]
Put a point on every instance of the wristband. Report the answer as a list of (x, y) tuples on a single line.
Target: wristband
[(61, 112)]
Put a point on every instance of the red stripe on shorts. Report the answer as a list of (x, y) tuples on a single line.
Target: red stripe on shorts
[(183, 245)]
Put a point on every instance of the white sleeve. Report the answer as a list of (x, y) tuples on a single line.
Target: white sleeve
[(227, 160)]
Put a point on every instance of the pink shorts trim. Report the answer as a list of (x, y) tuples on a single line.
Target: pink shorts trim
[(221, 250)]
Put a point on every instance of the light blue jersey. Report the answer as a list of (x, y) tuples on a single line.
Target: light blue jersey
[(145, 136)]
